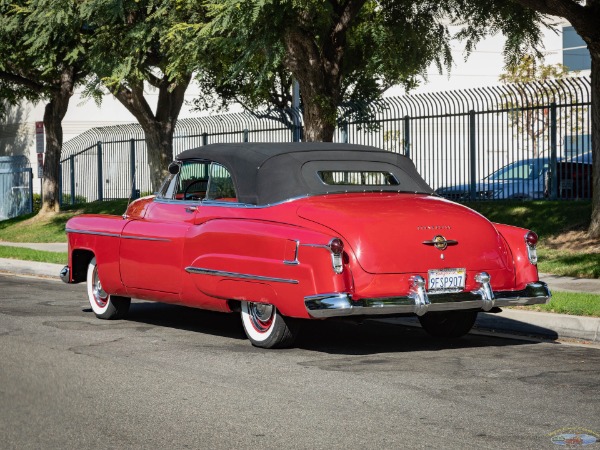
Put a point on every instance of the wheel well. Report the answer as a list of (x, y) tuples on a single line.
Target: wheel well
[(234, 305), (80, 261)]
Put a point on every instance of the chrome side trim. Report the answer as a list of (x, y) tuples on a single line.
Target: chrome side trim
[(246, 276), (96, 233), (295, 261), (102, 233), (418, 302), (315, 245), (140, 238)]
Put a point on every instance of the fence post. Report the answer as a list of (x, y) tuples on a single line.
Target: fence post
[(407, 136), (60, 186), (553, 141), (100, 177), (30, 170), (472, 156), (204, 138), (132, 167), (296, 133), (72, 173), (246, 134), (345, 132)]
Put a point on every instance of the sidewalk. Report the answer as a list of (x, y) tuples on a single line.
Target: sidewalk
[(531, 323), (52, 247)]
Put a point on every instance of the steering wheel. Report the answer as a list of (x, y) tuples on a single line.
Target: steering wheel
[(187, 196)]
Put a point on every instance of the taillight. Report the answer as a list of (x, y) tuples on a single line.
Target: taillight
[(337, 250), (531, 239), (337, 246)]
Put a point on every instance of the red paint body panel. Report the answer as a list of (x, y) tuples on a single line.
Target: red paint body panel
[(387, 231), (278, 254)]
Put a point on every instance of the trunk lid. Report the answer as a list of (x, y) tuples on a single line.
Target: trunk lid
[(387, 232)]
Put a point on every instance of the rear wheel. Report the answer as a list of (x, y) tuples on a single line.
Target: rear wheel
[(105, 306), (266, 327), (450, 324)]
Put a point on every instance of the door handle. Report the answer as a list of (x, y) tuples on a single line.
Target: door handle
[(190, 209)]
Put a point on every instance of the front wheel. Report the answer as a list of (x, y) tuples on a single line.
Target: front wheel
[(450, 324), (266, 327), (105, 306)]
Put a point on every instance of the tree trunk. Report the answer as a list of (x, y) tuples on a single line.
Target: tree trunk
[(319, 117), (54, 113), (159, 144), (160, 127), (320, 85), (594, 229)]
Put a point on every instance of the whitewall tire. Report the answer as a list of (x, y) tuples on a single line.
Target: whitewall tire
[(266, 327), (105, 306)]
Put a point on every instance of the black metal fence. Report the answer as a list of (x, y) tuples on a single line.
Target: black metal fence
[(16, 187), (522, 141)]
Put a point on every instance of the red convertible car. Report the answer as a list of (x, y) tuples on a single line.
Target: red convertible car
[(285, 232)]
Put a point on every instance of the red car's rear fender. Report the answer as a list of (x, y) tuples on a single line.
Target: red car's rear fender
[(259, 261), (525, 272)]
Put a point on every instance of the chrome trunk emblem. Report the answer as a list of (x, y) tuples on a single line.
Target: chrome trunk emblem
[(440, 242)]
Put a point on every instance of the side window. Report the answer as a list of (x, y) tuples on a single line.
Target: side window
[(192, 182), (220, 185)]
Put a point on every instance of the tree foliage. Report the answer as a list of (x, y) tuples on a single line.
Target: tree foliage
[(529, 113), (339, 51), (128, 54), (42, 58)]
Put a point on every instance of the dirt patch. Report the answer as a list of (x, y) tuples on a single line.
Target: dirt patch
[(573, 241)]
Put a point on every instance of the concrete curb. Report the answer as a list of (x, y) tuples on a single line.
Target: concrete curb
[(38, 269), (547, 325)]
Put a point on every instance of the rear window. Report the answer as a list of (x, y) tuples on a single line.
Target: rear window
[(357, 178)]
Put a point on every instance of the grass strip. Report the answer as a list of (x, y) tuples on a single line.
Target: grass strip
[(28, 254), (574, 303), (586, 265), (51, 228)]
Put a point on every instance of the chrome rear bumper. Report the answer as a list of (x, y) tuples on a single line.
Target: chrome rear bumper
[(419, 302)]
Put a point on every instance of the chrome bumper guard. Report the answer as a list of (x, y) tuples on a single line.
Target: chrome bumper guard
[(419, 302), (64, 274)]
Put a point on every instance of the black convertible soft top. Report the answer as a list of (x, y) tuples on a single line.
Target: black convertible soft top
[(266, 173)]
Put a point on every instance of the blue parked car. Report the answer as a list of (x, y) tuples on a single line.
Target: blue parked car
[(523, 180), (529, 179)]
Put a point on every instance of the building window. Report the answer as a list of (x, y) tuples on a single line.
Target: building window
[(575, 53)]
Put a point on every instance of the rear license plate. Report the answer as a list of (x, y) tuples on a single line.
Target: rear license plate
[(446, 280)]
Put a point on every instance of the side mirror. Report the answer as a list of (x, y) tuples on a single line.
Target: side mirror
[(174, 168)]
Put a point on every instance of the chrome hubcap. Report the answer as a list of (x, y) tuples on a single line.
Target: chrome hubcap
[(100, 296), (261, 316)]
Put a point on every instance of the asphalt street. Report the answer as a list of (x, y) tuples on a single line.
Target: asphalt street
[(175, 377)]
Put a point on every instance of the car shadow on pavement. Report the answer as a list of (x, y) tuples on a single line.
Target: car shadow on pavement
[(374, 336), (188, 319), (332, 336)]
